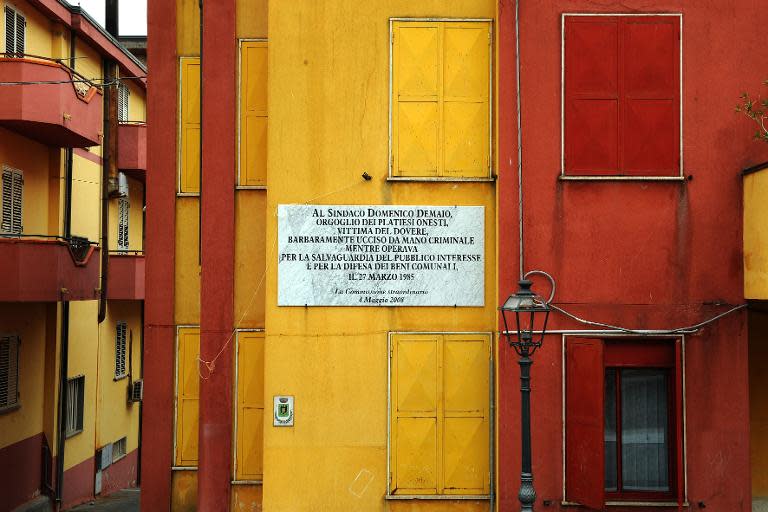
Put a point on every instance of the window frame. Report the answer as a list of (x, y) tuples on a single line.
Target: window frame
[(680, 412), (183, 59), (491, 177), (235, 440), (17, 14), (13, 338), (120, 443), (80, 412), (124, 374), (175, 466), (123, 224), (607, 177), (491, 419), (13, 172), (239, 78), (123, 103)]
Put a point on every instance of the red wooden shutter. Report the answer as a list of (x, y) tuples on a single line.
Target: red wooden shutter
[(591, 95), (650, 125), (584, 424)]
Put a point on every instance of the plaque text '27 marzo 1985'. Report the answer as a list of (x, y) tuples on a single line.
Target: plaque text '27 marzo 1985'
[(366, 255)]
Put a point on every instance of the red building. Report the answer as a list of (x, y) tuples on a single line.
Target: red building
[(631, 192)]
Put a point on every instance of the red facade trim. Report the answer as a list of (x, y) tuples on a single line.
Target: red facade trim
[(79, 483), (218, 252), (157, 417), (21, 471), (126, 277), (132, 149), (120, 474), (84, 153)]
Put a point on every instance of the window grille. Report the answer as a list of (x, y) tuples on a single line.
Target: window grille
[(122, 103), (120, 343), (119, 449), (12, 199), (123, 205), (74, 405), (15, 33), (9, 372)]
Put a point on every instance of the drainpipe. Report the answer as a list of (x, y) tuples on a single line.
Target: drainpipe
[(108, 147)]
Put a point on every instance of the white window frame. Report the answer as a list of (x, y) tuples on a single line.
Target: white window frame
[(119, 449), (17, 14), (240, 42), (628, 337), (75, 410), (390, 156), (121, 346), (123, 223), (16, 174), (608, 177), (491, 422), (12, 375)]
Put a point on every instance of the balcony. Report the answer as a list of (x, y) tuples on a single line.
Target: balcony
[(65, 114), (35, 270), (756, 232), (125, 276), (132, 149)]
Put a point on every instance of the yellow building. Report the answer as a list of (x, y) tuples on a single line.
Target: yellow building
[(73, 157), (327, 404), (756, 292)]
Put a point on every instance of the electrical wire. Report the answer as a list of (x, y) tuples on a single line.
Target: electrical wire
[(96, 82)]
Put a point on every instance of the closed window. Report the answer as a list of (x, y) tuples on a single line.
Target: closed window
[(187, 396), (249, 459), (123, 96), (123, 208), (74, 405), (623, 426), (440, 414), (120, 345), (119, 449), (253, 114), (441, 99), (15, 33), (621, 96), (189, 126), (12, 199), (9, 372)]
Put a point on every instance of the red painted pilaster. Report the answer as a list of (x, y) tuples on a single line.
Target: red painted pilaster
[(508, 426), (218, 254), (157, 417)]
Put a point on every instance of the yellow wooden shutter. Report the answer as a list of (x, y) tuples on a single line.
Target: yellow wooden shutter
[(188, 394), (466, 99), (189, 154), (250, 406), (466, 369), (441, 99), (253, 113), (440, 416), (415, 427), (416, 102)]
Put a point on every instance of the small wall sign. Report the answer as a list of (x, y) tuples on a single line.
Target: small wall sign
[(283, 413)]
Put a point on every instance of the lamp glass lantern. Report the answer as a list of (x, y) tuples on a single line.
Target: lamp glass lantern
[(531, 315)]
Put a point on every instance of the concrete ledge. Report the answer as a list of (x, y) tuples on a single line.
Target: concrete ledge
[(760, 505)]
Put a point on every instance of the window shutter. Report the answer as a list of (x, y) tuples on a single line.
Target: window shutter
[(189, 181), (10, 31), (16, 200), (9, 371), (584, 423), (122, 102), (7, 214), (591, 95), (123, 206), (415, 412), (253, 146), (250, 406), (650, 134), (21, 24), (120, 343), (188, 392)]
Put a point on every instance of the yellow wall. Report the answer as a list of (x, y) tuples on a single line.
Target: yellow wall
[(340, 435), (756, 235), (33, 159), (38, 36), (758, 400), (116, 416), (83, 359), (137, 102), (187, 269), (86, 198), (88, 61), (250, 254), (29, 322)]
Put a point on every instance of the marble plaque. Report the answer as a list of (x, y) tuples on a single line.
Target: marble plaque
[(339, 255)]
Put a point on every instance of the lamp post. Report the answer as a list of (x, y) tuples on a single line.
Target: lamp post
[(529, 310)]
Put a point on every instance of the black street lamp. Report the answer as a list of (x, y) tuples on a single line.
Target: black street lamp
[(530, 311)]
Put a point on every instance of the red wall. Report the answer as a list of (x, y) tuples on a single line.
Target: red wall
[(643, 255)]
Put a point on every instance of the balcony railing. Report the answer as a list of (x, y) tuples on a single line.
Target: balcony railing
[(47, 101), (125, 277), (47, 269)]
